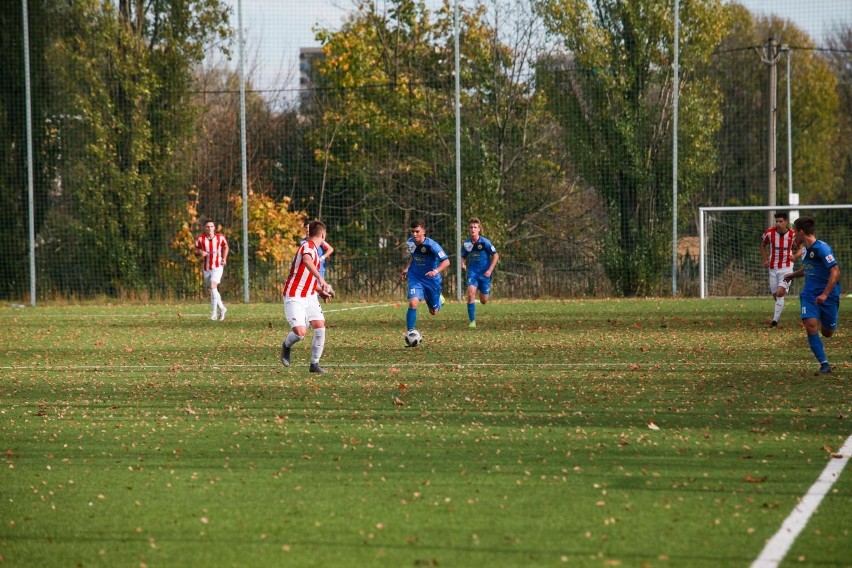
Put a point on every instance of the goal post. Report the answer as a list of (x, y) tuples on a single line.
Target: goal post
[(729, 260)]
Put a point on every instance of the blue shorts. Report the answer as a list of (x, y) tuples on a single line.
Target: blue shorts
[(482, 283), (825, 312), (428, 289)]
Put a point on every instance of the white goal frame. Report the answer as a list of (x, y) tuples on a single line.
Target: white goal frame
[(702, 237)]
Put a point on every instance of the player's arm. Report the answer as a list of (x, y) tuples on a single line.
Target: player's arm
[(225, 251), (796, 274), (308, 261), (764, 254), (445, 264), (199, 252), (833, 279), (328, 250), (404, 274), (494, 258)]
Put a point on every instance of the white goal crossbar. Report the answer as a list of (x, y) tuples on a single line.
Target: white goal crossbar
[(792, 209)]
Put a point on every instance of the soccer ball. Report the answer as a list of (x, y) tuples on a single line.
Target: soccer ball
[(413, 338)]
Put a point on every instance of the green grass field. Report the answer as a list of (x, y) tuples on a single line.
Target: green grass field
[(561, 433)]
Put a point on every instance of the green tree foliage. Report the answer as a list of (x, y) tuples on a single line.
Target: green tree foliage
[(611, 90), (117, 125), (740, 68)]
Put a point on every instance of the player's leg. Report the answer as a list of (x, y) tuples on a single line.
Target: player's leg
[(781, 288), (215, 297), (316, 319), (294, 310), (415, 294), (208, 284), (811, 322), (471, 299), (433, 295), (829, 311)]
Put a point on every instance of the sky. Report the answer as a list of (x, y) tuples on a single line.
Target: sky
[(276, 29)]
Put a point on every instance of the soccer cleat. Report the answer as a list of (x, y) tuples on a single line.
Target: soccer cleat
[(472, 324), (773, 324), (213, 316), (825, 368), (315, 368), (222, 313), (285, 354)]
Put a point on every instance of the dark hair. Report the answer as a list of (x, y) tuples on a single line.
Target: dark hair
[(315, 228), (782, 215), (210, 221), (805, 224), (418, 223)]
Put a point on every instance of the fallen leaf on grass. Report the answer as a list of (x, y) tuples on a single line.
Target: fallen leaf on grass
[(652, 425), (750, 479), (837, 456)]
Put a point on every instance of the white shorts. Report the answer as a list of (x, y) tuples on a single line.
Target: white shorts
[(213, 276), (776, 279), (301, 311)]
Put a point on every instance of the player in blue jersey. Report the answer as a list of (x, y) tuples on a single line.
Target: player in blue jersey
[(820, 296), (324, 249), (423, 271), (479, 257)]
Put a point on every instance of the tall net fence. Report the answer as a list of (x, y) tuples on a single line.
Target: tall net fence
[(565, 142)]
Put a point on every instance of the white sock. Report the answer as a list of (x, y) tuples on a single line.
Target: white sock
[(292, 339), (779, 305), (213, 302), (217, 298), (317, 344)]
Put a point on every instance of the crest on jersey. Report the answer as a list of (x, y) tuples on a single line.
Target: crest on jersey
[(412, 246), (811, 254), (423, 249), (479, 246), (468, 246)]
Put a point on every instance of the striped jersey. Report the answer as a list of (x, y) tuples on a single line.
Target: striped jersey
[(781, 247), (213, 246), (300, 282)]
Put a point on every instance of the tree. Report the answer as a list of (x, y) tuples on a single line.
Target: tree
[(739, 69), (611, 89)]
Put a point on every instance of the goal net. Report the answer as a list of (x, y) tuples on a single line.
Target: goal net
[(730, 263)]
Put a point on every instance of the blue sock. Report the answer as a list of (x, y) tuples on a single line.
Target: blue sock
[(816, 347), (471, 311), (411, 317)]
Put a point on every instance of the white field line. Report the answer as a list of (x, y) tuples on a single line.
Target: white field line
[(778, 546), (626, 365), (176, 313)]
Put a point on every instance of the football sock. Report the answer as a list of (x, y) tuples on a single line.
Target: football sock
[(411, 317), (216, 299), (317, 344), (471, 311), (818, 350), (292, 339), (779, 305)]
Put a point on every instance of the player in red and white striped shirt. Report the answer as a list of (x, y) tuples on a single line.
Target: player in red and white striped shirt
[(212, 248), (301, 305), (779, 249)]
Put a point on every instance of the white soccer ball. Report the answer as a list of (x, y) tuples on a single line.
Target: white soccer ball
[(413, 338)]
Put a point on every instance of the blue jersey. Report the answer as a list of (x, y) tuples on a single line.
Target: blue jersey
[(817, 262), (425, 257), (478, 255)]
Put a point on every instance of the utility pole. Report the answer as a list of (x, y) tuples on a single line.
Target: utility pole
[(770, 57)]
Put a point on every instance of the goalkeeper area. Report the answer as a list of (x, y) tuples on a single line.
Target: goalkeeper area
[(641, 432), (730, 263)]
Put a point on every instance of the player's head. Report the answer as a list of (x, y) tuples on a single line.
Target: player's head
[(781, 220), (806, 225), (209, 227), (418, 230), (474, 225), (316, 229)]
